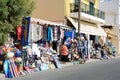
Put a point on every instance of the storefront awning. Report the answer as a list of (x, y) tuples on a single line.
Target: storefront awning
[(46, 22), (88, 29), (35, 20)]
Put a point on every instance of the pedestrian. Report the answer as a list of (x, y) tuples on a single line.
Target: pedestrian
[(64, 53), (80, 48)]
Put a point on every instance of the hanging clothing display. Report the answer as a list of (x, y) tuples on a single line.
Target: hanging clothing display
[(19, 33), (55, 29), (45, 32), (68, 33), (34, 33), (58, 33), (39, 32), (62, 33), (26, 31), (49, 34)]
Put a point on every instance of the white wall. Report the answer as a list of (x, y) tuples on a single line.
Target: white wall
[(119, 14), (112, 17), (111, 8)]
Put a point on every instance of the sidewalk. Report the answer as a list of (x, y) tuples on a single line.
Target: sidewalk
[(71, 63), (2, 76), (88, 61), (92, 60)]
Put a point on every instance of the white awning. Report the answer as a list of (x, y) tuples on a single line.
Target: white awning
[(63, 26), (46, 22), (88, 29)]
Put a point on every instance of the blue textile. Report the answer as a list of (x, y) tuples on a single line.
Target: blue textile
[(69, 34), (49, 34), (26, 31)]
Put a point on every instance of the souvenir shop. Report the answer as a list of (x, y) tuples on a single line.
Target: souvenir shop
[(45, 39), (41, 31), (40, 45)]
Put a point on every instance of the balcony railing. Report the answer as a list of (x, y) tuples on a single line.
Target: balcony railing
[(88, 10)]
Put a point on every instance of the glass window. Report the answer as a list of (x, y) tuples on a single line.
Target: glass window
[(91, 7)]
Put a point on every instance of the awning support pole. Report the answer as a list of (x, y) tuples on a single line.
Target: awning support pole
[(79, 15)]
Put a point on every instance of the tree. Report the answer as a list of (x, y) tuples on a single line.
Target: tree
[(11, 14)]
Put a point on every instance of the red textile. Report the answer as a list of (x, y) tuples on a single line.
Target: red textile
[(19, 33)]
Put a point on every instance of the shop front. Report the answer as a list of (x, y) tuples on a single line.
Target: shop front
[(38, 29), (40, 47), (112, 35), (93, 32)]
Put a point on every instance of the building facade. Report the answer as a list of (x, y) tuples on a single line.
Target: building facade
[(112, 20), (58, 10), (66, 11)]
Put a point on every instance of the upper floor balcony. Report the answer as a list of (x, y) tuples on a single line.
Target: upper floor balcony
[(88, 12)]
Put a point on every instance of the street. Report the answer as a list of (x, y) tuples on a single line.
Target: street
[(59, 40), (99, 70)]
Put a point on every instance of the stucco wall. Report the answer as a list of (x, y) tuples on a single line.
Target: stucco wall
[(115, 38), (52, 10), (112, 17), (111, 9)]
